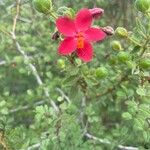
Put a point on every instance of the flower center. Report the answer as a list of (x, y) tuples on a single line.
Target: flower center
[(80, 40)]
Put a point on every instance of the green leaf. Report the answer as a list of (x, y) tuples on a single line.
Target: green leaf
[(69, 81), (127, 116), (141, 91), (138, 124), (73, 71), (146, 136), (2, 103), (140, 25), (136, 49)]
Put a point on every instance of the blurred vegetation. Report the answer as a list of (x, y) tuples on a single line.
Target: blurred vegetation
[(117, 81)]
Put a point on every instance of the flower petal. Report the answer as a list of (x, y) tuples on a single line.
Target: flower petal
[(86, 54), (66, 26), (67, 46), (95, 34), (83, 20)]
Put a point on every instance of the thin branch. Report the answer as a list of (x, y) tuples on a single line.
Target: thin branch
[(91, 137), (105, 141), (16, 16), (26, 107)]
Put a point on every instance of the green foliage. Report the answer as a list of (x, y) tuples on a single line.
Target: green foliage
[(107, 98)]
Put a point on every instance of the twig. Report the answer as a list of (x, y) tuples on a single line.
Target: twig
[(26, 107), (105, 141), (16, 16), (91, 137)]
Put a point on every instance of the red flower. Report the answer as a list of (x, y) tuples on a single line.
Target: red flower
[(78, 35)]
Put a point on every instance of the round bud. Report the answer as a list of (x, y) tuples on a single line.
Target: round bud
[(108, 30), (123, 56), (121, 32), (116, 45), (96, 12), (142, 5), (43, 6), (61, 63), (101, 72), (144, 63)]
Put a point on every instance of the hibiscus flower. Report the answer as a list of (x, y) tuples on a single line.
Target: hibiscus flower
[(78, 35)]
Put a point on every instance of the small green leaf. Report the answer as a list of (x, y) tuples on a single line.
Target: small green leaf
[(127, 116), (141, 91)]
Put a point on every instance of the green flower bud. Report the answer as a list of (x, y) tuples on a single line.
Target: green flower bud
[(116, 45), (121, 32), (61, 63), (101, 72), (123, 56), (142, 5), (144, 63), (43, 6)]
